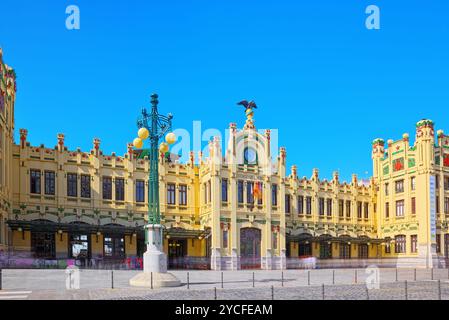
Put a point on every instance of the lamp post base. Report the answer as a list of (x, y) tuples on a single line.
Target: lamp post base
[(154, 263), (155, 280)]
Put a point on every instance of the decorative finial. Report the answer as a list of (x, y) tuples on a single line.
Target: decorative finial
[(249, 106)]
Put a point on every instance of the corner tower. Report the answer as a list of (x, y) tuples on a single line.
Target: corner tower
[(7, 100)]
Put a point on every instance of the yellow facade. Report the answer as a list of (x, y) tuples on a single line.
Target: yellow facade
[(54, 200)]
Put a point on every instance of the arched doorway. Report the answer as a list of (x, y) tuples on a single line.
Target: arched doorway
[(250, 239)]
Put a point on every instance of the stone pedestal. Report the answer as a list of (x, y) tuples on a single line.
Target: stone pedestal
[(154, 263), (215, 262), (235, 260)]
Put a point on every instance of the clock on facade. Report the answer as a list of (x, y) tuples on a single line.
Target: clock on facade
[(250, 156)]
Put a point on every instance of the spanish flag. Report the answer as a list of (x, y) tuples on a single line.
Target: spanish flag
[(257, 191)]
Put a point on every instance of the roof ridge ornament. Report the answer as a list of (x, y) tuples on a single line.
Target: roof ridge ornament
[(249, 106)]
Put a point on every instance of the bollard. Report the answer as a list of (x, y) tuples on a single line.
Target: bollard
[(431, 273), (367, 292), (396, 274), (1, 284), (439, 289), (215, 293), (151, 280), (355, 276), (415, 274), (253, 280), (188, 282), (333, 276), (222, 279), (272, 292), (406, 290), (112, 279), (308, 277), (282, 278), (322, 290)]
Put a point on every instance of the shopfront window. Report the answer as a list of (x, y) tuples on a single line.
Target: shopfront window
[(114, 246)]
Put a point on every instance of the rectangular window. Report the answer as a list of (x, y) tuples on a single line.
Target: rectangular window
[(274, 195), (300, 204), (386, 189), (119, 189), (182, 195), (446, 183), (329, 207), (446, 205), (399, 186), (321, 206), (72, 185), (400, 244), (224, 190), (114, 246), (240, 191), (359, 210), (345, 250), (348, 208), (325, 250), (260, 199), (414, 243), (107, 188), (225, 239), (287, 203), (140, 191), (413, 200), (171, 193), (50, 183), (438, 241), (437, 181), (35, 181), (308, 205), (387, 210), (209, 194), (249, 193), (363, 251), (341, 208), (275, 240), (437, 204), (85, 186), (400, 208), (413, 183), (366, 204)]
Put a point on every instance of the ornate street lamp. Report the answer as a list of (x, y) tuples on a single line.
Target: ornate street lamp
[(153, 126)]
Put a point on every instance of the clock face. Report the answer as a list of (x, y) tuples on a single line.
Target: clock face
[(250, 156)]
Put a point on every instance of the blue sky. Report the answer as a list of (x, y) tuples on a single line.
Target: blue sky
[(317, 74)]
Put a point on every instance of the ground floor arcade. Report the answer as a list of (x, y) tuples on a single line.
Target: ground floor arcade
[(115, 245)]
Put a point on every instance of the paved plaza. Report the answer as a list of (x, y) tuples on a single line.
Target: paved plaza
[(236, 285)]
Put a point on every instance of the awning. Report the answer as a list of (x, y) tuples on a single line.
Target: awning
[(178, 233), (49, 226), (302, 237)]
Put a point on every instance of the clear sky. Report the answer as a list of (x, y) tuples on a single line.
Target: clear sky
[(317, 74)]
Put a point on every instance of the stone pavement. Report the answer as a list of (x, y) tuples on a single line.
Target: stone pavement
[(421, 290), (287, 284)]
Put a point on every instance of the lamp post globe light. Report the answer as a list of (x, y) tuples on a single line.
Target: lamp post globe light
[(153, 126)]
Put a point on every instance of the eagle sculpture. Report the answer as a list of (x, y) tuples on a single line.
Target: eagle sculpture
[(248, 105)]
